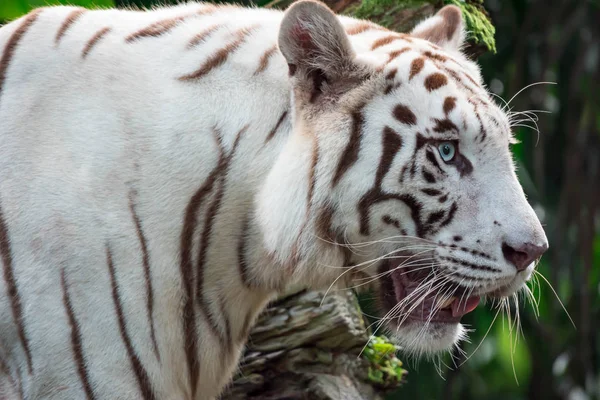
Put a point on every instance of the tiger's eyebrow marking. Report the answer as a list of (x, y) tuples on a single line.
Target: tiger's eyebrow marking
[(70, 20), (403, 114)]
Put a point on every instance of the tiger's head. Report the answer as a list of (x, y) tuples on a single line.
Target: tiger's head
[(398, 173)]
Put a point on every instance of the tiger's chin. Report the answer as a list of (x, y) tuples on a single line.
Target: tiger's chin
[(437, 337), (423, 321)]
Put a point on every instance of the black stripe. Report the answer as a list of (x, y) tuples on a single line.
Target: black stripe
[(78, 357), (205, 240), (187, 269), (13, 42), (450, 216), (242, 263), (147, 273), (435, 217), (428, 176), (432, 159), (350, 155), (211, 213), (276, 127), (140, 372), (12, 289), (431, 192)]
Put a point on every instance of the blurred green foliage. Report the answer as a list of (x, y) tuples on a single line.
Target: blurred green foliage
[(537, 41)]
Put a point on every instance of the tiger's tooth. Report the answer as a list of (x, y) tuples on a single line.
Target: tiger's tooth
[(447, 302)]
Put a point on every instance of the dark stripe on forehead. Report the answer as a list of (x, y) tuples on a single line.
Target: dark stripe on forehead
[(416, 66), (403, 114), (13, 42), (435, 81), (76, 346), (444, 125), (70, 20), (482, 132), (449, 104), (12, 289), (350, 154)]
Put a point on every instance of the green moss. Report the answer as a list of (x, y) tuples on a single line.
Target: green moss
[(387, 13), (478, 22), (385, 369), (368, 9)]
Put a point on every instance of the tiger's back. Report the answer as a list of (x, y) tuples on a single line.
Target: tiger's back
[(100, 126)]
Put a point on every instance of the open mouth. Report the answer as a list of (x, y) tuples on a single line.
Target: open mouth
[(418, 296)]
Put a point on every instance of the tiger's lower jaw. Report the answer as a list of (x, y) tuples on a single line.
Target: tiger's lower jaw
[(424, 318)]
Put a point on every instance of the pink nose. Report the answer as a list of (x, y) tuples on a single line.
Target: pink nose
[(524, 254)]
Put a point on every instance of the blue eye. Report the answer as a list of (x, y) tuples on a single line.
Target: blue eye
[(447, 151)]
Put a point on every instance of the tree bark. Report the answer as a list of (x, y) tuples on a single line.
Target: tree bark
[(305, 346)]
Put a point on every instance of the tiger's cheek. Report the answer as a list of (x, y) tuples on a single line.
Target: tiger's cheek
[(392, 218)]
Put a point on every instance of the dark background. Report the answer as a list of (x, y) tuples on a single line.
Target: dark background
[(537, 41)]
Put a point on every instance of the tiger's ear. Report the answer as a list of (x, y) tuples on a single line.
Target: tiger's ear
[(446, 29), (314, 43)]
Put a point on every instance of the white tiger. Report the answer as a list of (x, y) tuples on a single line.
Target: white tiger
[(164, 174)]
